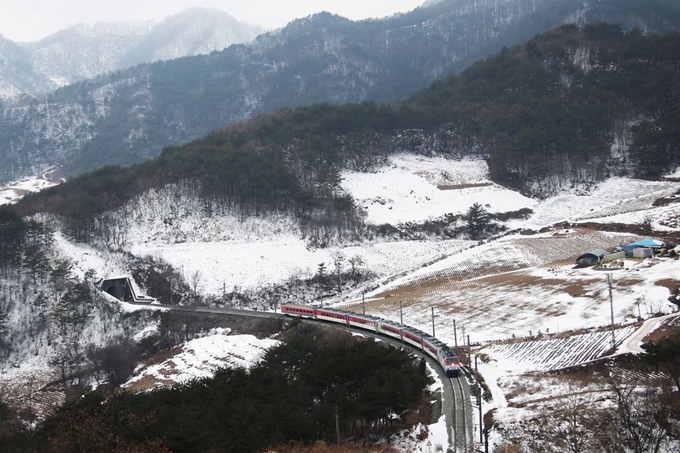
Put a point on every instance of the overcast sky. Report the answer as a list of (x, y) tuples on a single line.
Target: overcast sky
[(30, 20)]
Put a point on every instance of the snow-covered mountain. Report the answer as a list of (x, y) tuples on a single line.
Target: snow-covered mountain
[(131, 115), (196, 31), (482, 286), (84, 51), (17, 74)]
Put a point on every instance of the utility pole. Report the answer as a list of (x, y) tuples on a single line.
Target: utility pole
[(481, 420), (455, 337), (611, 305), (401, 314), (337, 425), (432, 321), (469, 351), (363, 301)]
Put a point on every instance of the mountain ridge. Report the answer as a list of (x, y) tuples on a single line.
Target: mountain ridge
[(129, 116), (544, 117), (84, 51)]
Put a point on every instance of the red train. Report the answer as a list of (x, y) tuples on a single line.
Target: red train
[(446, 358)]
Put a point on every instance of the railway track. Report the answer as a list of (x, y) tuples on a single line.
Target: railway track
[(462, 414), (458, 413)]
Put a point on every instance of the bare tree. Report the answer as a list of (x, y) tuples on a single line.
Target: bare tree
[(338, 259), (574, 420), (647, 224), (116, 361), (196, 278), (4, 329), (355, 262), (639, 411)]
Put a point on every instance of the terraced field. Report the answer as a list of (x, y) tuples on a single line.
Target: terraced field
[(547, 354), (511, 287), (544, 251)]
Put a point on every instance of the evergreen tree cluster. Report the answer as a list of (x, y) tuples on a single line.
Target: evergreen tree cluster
[(47, 310), (294, 394), (559, 104), (477, 219)]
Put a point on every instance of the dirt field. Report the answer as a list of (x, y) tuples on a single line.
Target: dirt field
[(491, 284)]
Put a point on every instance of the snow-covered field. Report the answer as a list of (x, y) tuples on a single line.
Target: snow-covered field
[(416, 188), (622, 199), (516, 286), (12, 192), (230, 251), (200, 357)]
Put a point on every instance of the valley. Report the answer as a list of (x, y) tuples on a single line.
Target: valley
[(518, 297), (501, 209)]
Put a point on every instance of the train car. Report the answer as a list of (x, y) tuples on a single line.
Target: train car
[(302, 311), (388, 329), (363, 322), (324, 314), (430, 348), (449, 362), (447, 359), (412, 338), (439, 351)]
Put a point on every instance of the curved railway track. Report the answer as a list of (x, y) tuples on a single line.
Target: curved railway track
[(458, 413), (462, 414)]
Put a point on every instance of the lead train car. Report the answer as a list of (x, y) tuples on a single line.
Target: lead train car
[(446, 358)]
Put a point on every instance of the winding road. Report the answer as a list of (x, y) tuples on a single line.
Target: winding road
[(633, 342)]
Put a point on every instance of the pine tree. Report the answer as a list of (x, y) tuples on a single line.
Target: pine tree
[(477, 220), (4, 330), (73, 309)]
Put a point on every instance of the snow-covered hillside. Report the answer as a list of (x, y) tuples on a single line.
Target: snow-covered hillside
[(15, 190), (518, 297), (229, 250), (415, 188), (200, 357)]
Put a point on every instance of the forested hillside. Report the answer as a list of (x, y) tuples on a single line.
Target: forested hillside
[(289, 397), (569, 108), (130, 115)]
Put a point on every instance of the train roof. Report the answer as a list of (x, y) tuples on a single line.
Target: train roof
[(298, 306), (448, 351)]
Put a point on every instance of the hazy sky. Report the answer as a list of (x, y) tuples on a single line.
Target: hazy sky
[(30, 20)]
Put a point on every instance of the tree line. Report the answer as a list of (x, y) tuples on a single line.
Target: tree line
[(310, 388)]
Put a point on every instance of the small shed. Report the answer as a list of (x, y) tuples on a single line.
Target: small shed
[(642, 252), (592, 257), (653, 244)]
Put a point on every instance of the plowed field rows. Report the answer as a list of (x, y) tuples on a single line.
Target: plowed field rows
[(556, 353), (546, 250)]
